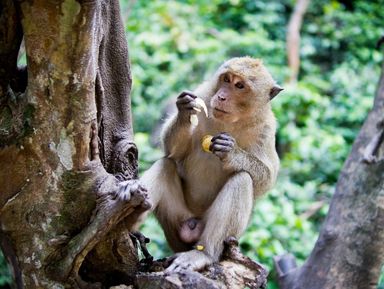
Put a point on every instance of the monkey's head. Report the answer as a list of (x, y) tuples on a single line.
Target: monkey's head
[(243, 87)]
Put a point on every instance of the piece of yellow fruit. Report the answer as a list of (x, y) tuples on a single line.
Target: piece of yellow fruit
[(199, 247), (202, 104), (193, 118), (206, 143)]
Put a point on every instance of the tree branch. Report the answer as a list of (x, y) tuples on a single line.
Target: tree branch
[(349, 251), (293, 38)]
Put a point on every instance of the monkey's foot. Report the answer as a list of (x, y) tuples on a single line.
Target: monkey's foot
[(192, 260), (233, 271), (126, 189), (142, 240)]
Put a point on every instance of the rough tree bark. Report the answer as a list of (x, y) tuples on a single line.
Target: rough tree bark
[(66, 143), (349, 252), (293, 39), (66, 151)]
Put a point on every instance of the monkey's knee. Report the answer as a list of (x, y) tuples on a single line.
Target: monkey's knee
[(245, 178), (240, 183), (190, 230)]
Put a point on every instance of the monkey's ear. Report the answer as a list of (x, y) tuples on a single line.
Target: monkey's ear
[(275, 91)]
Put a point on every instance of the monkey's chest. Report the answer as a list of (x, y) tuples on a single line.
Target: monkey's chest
[(203, 177)]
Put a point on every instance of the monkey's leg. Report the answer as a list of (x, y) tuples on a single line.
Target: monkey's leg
[(228, 216), (229, 213), (166, 195)]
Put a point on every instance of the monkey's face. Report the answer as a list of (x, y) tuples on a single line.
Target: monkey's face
[(233, 99)]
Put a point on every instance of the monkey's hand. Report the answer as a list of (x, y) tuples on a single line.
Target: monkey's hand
[(186, 104), (191, 260), (222, 145), (127, 188)]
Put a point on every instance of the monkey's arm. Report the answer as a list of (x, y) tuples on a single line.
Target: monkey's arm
[(176, 137), (261, 164), (262, 172), (177, 131)]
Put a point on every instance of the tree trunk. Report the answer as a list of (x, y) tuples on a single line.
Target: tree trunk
[(293, 39), (66, 143), (349, 252), (69, 192)]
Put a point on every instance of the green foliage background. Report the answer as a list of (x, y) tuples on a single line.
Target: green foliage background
[(174, 45)]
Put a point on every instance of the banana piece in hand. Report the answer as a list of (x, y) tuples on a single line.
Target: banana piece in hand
[(193, 118)]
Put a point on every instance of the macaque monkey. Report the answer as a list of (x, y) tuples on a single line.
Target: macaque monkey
[(200, 198)]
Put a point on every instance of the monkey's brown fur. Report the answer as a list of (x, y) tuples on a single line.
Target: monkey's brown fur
[(215, 190)]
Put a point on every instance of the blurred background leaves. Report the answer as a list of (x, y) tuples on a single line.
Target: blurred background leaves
[(175, 45)]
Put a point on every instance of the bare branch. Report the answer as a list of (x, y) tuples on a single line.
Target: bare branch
[(349, 251), (293, 38)]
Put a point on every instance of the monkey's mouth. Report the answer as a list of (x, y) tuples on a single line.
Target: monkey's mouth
[(220, 110)]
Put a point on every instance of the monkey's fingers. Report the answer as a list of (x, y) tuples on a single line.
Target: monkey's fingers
[(187, 103), (220, 148), (142, 189), (191, 105), (123, 191), (127, 188), (223, 135), (225, 142), (191, 260), (178, 265), (221, 151), (184, 99), (185, 93)]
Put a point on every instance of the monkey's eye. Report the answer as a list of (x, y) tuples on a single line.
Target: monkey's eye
[(239, 85), (226, 78)]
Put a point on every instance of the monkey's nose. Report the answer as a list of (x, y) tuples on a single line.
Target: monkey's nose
[(222, 98)]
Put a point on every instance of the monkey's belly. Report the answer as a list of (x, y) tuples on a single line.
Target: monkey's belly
[(203, 177)]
